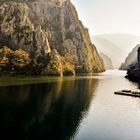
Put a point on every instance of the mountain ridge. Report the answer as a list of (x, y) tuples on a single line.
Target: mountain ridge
[(117, 46)]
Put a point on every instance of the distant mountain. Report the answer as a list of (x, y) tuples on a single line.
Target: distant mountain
[(107, 61), (109, 49), (116, 46), (131, 59)]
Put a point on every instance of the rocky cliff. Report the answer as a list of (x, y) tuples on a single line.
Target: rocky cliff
[(107, 61), (131, 59), (42, 27), (133, 73)]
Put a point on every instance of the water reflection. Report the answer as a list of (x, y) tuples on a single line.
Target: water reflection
[(44, 111)]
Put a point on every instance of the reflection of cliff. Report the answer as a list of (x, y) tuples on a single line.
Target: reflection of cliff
[(44, 111)]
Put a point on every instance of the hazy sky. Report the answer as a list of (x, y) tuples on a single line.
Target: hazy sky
[(110, 16)]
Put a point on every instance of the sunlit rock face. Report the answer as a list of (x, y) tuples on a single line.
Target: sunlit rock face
[(39, 26)]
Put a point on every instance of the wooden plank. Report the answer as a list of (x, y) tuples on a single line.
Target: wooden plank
[(127, 94)]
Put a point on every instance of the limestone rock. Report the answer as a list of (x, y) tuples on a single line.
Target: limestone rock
[(54, 66), (39, 26)]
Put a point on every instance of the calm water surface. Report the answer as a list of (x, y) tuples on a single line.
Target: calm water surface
[(72, 108)]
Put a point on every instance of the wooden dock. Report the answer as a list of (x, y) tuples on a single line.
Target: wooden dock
[(127, 94)]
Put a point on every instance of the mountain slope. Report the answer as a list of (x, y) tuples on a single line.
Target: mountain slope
[(108, 48), (107, 61), (131, 59), (40, 26)]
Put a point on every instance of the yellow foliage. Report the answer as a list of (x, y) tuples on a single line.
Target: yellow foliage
[(5, 50), (3, 61), (22, 54), (55, 65), (18, 58), (21, 58), (68, 68)]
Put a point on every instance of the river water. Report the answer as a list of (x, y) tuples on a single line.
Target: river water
[(72, 108)]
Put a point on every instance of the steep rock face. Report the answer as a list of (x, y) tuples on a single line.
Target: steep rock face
[(133, 73), (107, 61), (18, 32), (39, 26), (54, 66), (131, 59)]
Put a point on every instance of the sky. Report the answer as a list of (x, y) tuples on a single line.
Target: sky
[(109, 16)]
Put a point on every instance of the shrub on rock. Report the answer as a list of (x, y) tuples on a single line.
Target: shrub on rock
[(13, 61)]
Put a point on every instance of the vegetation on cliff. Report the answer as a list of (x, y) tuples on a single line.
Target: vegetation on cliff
[(14, 61), (19, 62), (58, 66), (133, 74)]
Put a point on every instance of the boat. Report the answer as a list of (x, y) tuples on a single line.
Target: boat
[(133, 93)]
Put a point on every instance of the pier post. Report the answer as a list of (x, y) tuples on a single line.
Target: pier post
[(138, 57)]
